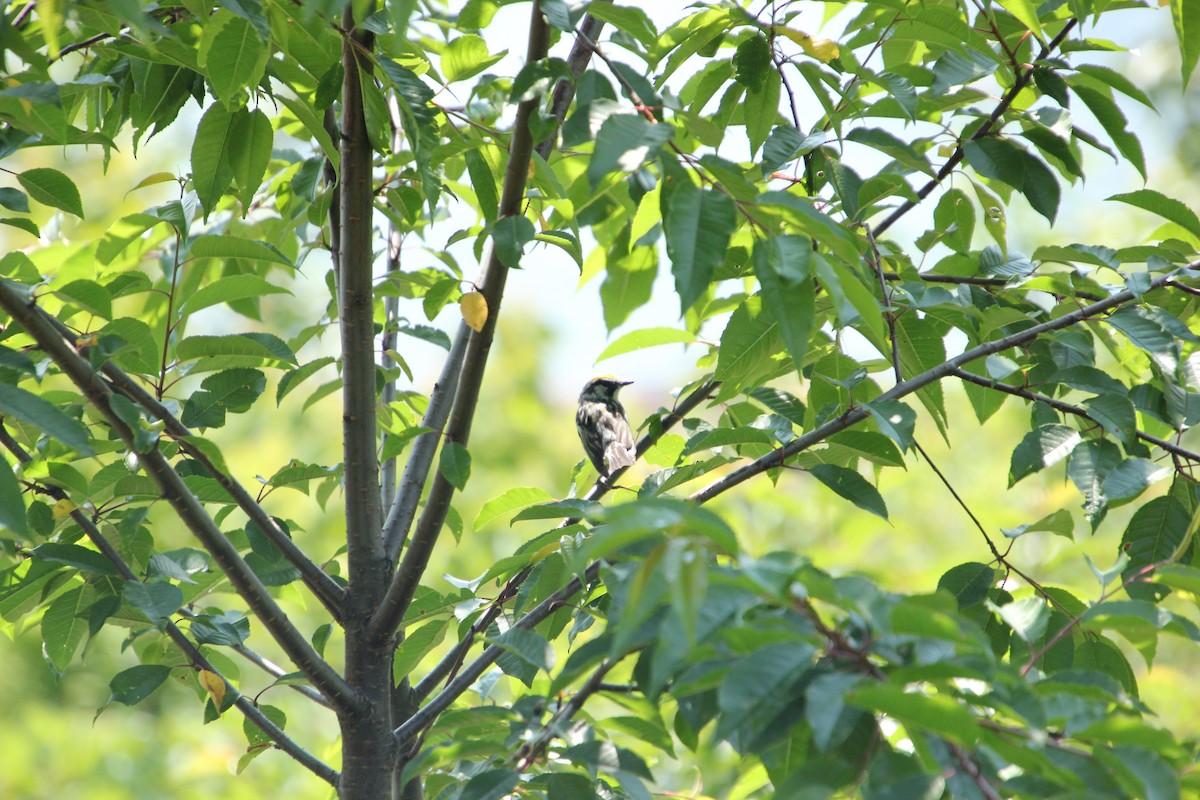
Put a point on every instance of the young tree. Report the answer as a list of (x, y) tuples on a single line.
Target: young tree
[(772, 168)]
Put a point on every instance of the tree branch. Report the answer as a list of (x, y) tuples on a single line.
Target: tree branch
[(185, 504), (197, 659), (454, 658), (364, 545), (416, 470), (856, 414), (461, 683), (1021, 79), (478, 347), (1068, 408)]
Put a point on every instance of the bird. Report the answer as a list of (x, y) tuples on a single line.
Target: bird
[(603, 427)]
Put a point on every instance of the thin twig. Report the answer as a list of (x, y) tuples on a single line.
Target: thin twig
[(451, 662), (856, 414), (1069, 408), (1022, 78)]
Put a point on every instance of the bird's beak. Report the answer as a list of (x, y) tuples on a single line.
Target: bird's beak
[(624, 383)]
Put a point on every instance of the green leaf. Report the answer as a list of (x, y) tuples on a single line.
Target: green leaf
[(643, 338), (30, 408), (53, 188), (510, 235), (230, 391), (748, 346), (1116, 414), (291, 380), (852, 486), (73, 555), (629, 19), (1027, 617), (530, 646), (466, 57), (1057, 522), (1115, 125), (1186, 17), (493, 784), (698, 224), (1165, 207), (761, 110), (455, 464), (254, 346), (249, 159), (969, 583), (135, 684), (512, 500), (228, 290), (158, 600), (939, 714), (1157, 532), (1142, 329), (225, 246), (571, 507), (12, 502), (88, 295), (782, 403), (783, 266), (232, 54), (418, 641), (895, 420), (484, 184), (64, 625), (1042, 448), (212, 168), (14, 200), (752, 62), (29, 226), (625, 142), (1027, 13)]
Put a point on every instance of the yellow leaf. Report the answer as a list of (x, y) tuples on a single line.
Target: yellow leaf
[(474, 310), (824, 50), (150, 180), (947, 150), (215, 686), (63, 508)]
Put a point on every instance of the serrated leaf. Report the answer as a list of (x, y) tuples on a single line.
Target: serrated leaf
[(156, 599), (455, 464), (212, 168), (12, 503), (232, 55), (64, 626), (1166, 207), (643, 338), (225, 246), (625, 142), (1042, 448), (228, 290), (30, 408), (512, 500), (135, 684), (467, 56), (52, 188), (249, 160), (852, 486)]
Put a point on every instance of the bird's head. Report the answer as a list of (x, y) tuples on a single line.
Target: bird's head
[(603, 388)]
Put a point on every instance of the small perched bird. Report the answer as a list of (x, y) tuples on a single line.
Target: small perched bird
[(603, 426)]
